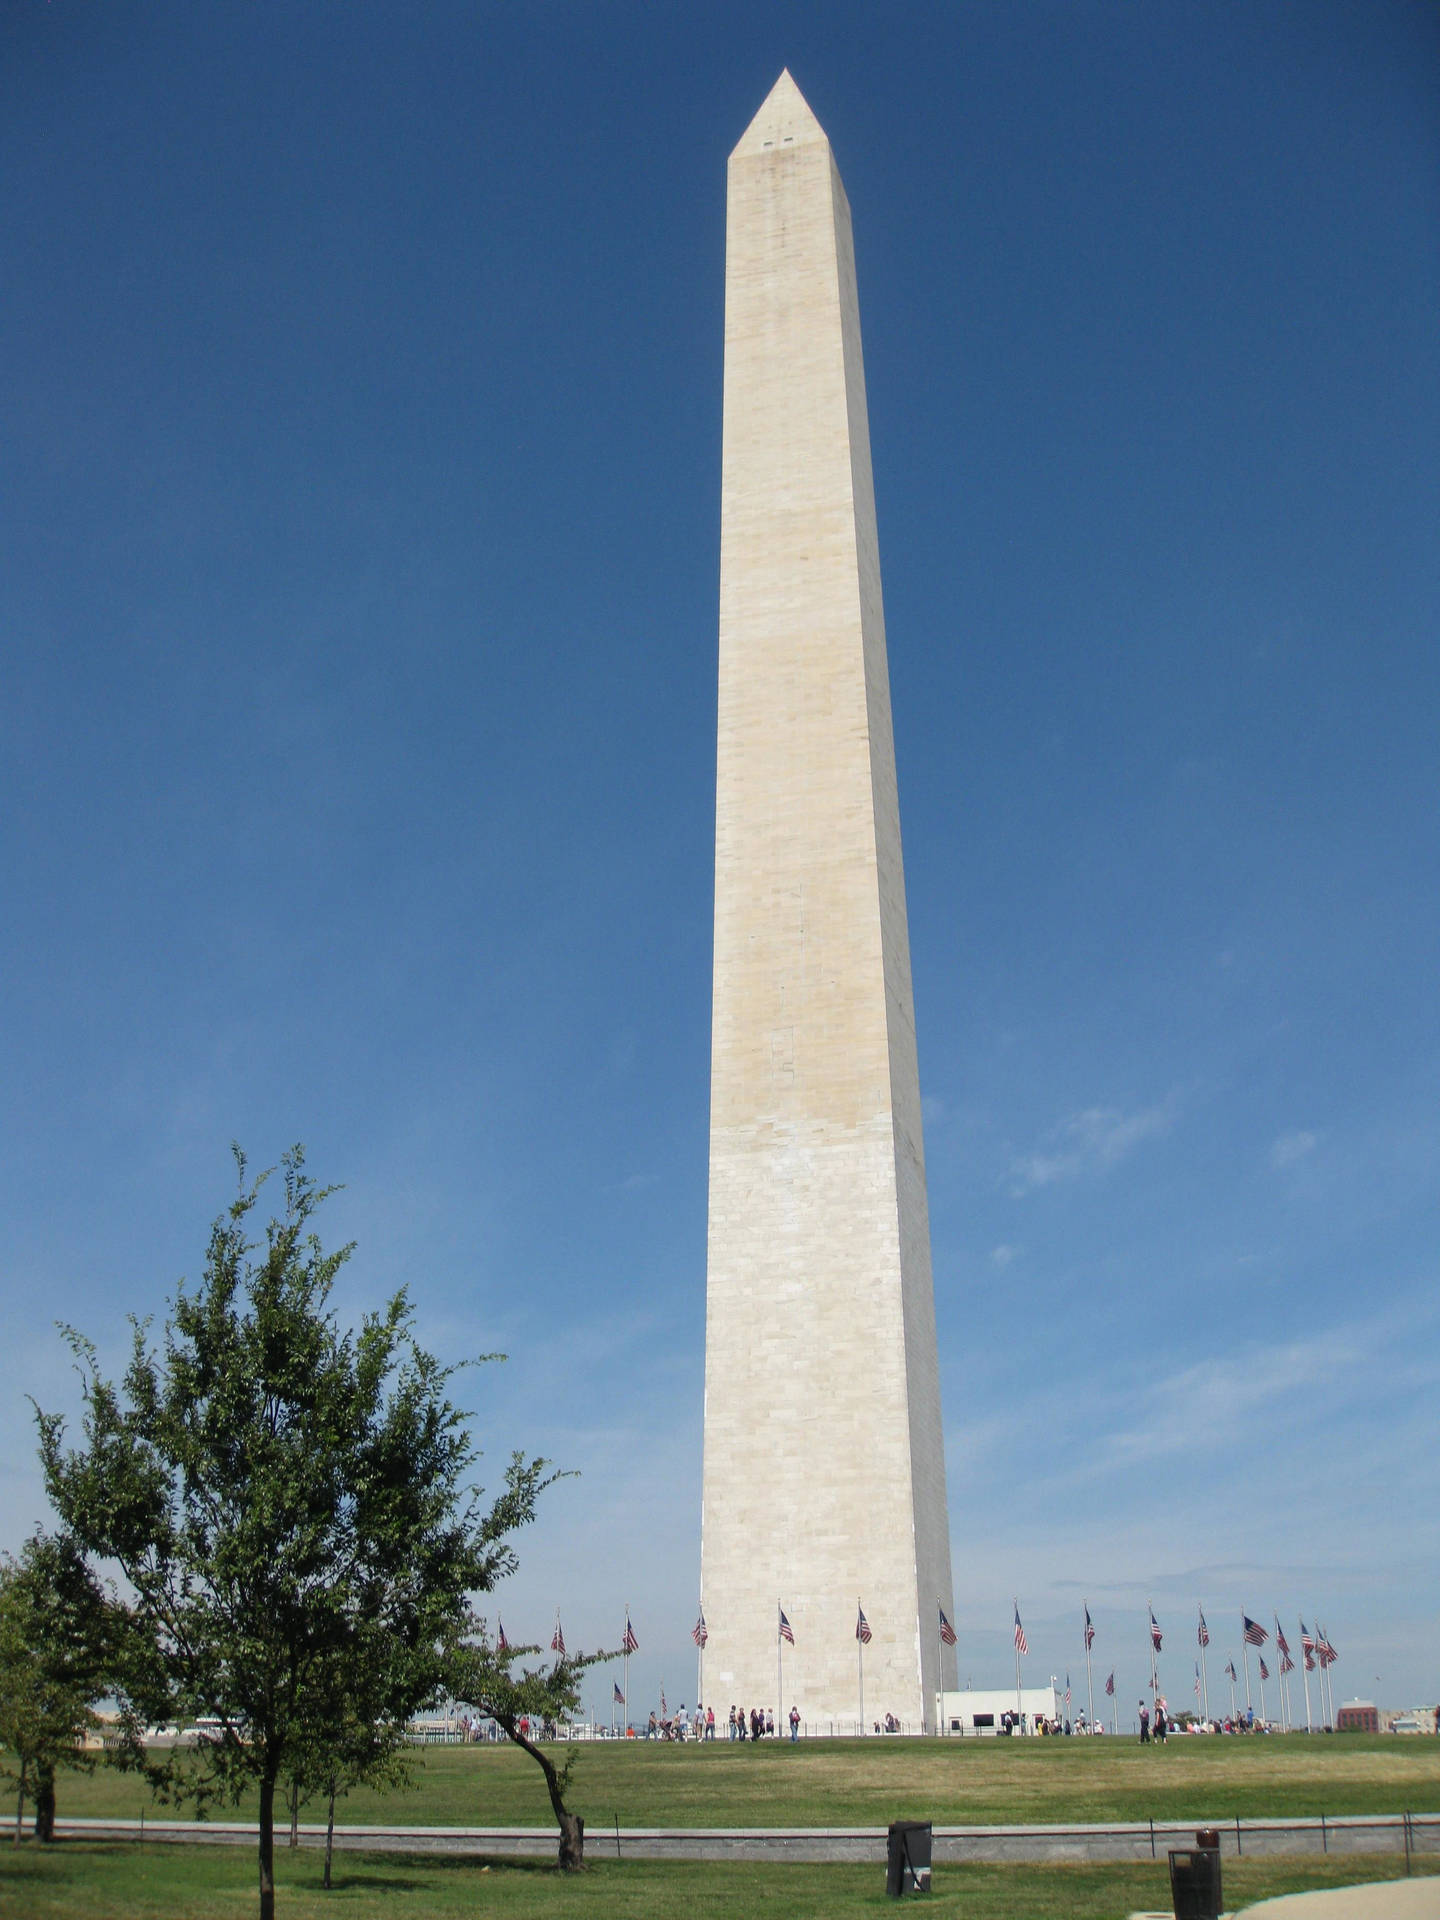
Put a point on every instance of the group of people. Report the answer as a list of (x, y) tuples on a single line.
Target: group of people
[(681, 1726), (757, 1724)]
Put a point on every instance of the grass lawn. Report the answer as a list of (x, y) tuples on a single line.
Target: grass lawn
[(827, 1783), (80, 1880)]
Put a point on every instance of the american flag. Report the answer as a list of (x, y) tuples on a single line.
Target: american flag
[(1154, 1631), (1307, 1647), (1327, 1653), (1264, 1670), (1089, 1631), (700, 1633), (664, 1709), (619, 1696), (1251, 1631), (1110, 1686), (947, 1632), (1287, 1665), (629, 1644), (1197, 1679), (1204, 1634), (1230, 1669), (787, 1632), (557, 1639), (862, 1628), (502, 1645), (1067, 1693), (1281, 1642), (1020, 1646)]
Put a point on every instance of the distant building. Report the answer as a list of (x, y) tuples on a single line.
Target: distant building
[(970, 1712), (1411, 1720), (1358, 1716)]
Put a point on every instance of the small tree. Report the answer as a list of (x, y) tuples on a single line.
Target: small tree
[(354, 1751), (480, 1675), (288, 1502), (59, 1648)]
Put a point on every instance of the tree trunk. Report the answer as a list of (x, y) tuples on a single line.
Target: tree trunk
[(571, 1825), (267, 1846), (295, 1812), (44, 1802), (20, 1807), (572, 1841), (329, 1836)]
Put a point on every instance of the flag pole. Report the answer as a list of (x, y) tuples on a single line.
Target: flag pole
[(779, 1664), (1329, 1677), (1019, 1715), (1154, 1671), (626, 1644), (1245, 1660), (1204, 1685), (1204, 1675), (860, 1656), (939, 1673), (1305, 1678), (1234, 1716), (1261, 1659), (1089, 1678)]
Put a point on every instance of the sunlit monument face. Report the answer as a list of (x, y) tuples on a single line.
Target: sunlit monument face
[(824, 1481)]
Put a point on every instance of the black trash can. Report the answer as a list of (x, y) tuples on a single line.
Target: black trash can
[(907, 1867), (1195, 1884)]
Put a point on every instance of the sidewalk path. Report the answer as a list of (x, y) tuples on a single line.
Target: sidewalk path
[(1389, 1900), (1136, 1840)]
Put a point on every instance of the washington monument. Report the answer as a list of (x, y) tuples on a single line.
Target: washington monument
[(824, 1475)]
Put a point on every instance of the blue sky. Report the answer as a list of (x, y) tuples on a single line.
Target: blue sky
[(359, 504)]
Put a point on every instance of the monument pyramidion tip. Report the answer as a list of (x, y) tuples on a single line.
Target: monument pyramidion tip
[(784, 119)]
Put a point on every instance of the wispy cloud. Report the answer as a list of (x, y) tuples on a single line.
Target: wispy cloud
[(1291, 1148), (1089, 1142), (1002, 1256), (1230, 1401), (1217, 1402)]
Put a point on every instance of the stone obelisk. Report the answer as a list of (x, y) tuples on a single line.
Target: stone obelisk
[(824, 1474)]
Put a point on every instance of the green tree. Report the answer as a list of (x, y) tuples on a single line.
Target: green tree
[(356, 1752), (481, 1674), (60, 1636), (289, 1503)]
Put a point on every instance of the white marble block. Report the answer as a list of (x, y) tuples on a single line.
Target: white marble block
[(824, 1474)]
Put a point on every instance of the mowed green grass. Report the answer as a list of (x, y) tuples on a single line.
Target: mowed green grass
[(78, 1880), (836, 1783)]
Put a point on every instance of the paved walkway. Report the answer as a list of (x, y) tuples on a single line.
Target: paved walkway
[(1417, 1899), (1135, 1840)]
